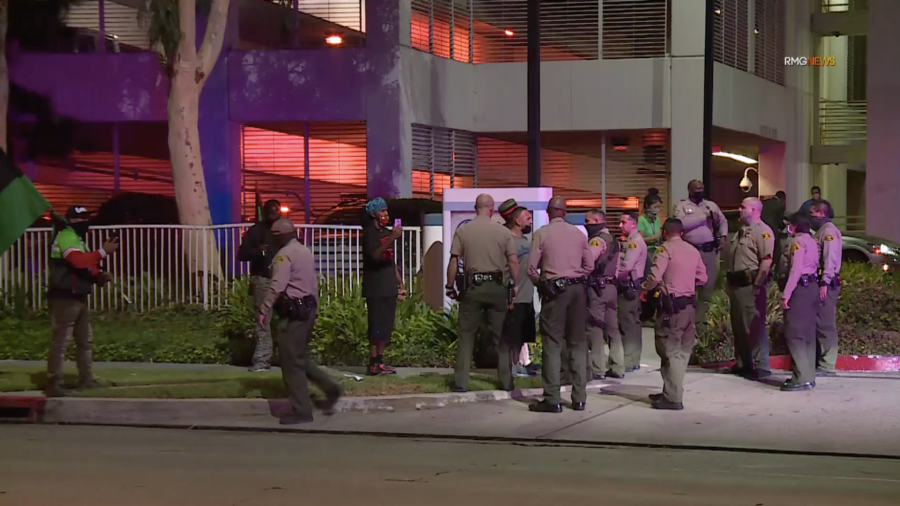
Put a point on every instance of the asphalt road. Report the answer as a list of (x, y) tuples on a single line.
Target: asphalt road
[(97, 466)]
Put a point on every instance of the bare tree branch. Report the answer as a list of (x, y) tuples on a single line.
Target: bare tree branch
[(213, 40), (186, 58)]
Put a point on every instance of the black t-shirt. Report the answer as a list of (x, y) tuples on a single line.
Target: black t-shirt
[(379, 274)]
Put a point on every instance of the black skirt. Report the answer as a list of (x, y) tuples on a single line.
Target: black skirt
[(382, 314)]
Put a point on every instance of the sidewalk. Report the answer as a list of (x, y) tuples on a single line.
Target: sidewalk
[(853, 414)]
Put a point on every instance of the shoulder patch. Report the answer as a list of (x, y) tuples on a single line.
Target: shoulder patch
[(661, 249), (795, 247), (829, 237), (766, 236), (632, 245), (279, 259), (595, 241)]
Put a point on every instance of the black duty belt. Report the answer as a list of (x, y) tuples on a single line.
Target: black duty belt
[(741, 278), (707, 246), (807, 279), (835, 281), (487, 277)]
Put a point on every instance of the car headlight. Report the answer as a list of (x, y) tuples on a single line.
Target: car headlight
[(884, 249)]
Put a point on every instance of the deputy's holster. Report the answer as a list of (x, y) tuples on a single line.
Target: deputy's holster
[(740, 279), (295, 310), (628, 288)]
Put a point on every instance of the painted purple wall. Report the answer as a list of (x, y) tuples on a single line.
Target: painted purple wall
[(295, 85), (96, 87), (290, 85)]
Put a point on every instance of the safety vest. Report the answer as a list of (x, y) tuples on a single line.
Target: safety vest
[(65, 279)]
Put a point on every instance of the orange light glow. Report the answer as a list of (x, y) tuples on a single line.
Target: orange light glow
[(509, 33), (620, 148), (334, 40), (285, 209)]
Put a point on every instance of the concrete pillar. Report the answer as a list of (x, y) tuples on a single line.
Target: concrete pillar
[(883, 128), (771, 168), (686, 81), (800, 84), (832, 179), (220, 139), (388, 107)]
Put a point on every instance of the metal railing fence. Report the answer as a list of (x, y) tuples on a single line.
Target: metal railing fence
[(164, 265)]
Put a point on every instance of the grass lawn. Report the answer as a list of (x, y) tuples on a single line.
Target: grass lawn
[(144, 383)]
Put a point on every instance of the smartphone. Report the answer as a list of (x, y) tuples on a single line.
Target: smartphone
[(397, 223)]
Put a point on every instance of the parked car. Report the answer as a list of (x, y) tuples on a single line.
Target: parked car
[(410, 212), (878, 251)]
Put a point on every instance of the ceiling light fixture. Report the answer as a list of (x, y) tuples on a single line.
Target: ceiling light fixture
[(334, 40), (735, 157)]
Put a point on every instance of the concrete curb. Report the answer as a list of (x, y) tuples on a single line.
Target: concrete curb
[(845, 363), (83, 410)]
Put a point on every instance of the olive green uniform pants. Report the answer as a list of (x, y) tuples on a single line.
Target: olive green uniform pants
[(826, 331), (485, 301), (629, 313), (705, 293), (800, 335), (298, 367), (603, 328), (748, 323), (563, 338), (674, 344)]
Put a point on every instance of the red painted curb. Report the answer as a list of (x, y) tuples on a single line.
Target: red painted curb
[(34, 405), (872, 363)]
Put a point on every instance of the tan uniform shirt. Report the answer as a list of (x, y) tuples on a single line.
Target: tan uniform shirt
[(753, 244), (680, 268), (803, 258), (484, 246), (293, 273), (698, 228), (634, 257), (830, 242), (560, 250)]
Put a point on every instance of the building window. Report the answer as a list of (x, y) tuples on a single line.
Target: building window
[(731, 36), (635, 29), (442, 158), (768, 52), (495, 31), (274, 164), (573, 164)]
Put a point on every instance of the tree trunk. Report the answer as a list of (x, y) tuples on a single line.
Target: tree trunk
[(190, 70), (4, 77)]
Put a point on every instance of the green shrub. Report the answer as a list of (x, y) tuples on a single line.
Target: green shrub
[(868, 318), (177, 335)]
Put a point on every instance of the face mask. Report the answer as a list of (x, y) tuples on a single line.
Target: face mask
[(816, 222), (526, 229), (593, 229), (81, 228), (652, 212), (696, 197)]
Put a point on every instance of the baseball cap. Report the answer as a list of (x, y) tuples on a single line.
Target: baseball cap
[(78, 212)]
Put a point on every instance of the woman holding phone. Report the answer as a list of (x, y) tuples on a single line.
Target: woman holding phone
[(382, 284)]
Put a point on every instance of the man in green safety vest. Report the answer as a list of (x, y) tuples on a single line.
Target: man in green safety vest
[(73, 273)]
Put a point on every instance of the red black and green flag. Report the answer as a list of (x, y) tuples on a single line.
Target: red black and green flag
[(20, 203)]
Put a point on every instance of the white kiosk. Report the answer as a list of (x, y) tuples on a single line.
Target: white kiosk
[(459, 208)]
